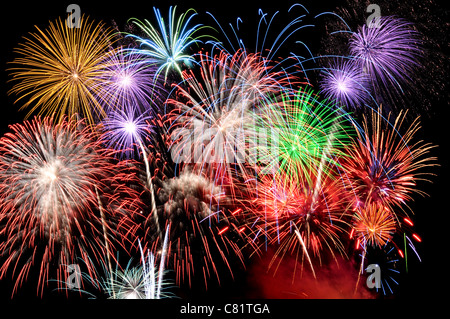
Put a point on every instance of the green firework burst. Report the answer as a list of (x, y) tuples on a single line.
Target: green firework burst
[(305, 131)]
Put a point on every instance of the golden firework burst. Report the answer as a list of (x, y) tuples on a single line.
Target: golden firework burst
[(58, 70)]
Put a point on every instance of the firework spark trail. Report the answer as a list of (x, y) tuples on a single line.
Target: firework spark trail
[(336, 125), (153, 289), (304, 249), (102, 216), (290, 66), (123, 130), (161, 263), (154, 212)]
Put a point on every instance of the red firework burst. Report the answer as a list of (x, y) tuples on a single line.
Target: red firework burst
[(301, 217), (62, 198)]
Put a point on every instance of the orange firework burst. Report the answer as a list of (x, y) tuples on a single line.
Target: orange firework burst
[(59, 69), (374, 225), (384, 166)]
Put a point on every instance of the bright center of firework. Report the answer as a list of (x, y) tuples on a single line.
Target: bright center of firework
[(341, 85), (49, 173), (75, 75), (130, 127), (125, 81)]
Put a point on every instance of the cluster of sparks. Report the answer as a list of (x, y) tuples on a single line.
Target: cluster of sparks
[(207, 158)]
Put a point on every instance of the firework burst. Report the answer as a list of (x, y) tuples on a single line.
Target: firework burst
[(60, 69), (374, 225), (130, 78), (302, 218), (168, 43), (308, 131), (145, 281), (345, 83), (385, 165), (388, 53), (201, 230), (57, 186), (125, 129), (214, 119), (387, 259)]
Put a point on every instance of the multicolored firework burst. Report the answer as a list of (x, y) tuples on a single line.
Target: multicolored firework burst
[(60, 69), (383, 166), (272, 149), (57, 187), (214, 119)]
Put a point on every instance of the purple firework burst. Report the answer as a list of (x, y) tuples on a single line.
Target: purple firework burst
[(387, 52), (130, 79), (125, 129), (345, 83)]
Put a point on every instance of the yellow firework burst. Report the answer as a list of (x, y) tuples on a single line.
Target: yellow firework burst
[(58, 70), (374, 225)]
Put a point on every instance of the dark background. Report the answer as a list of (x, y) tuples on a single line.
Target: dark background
[(426, 281)]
